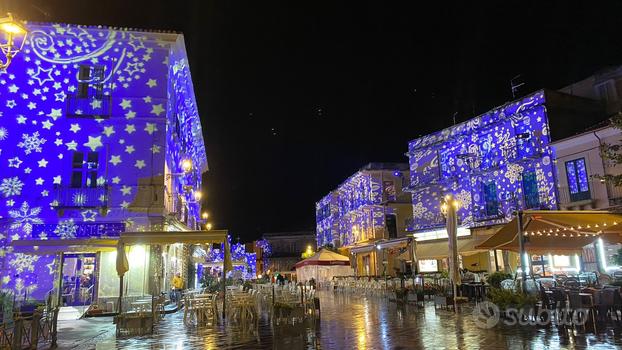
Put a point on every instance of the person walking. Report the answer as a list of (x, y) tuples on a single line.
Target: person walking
[(178, 285)]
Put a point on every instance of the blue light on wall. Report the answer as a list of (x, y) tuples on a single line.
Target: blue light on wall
[(482, 162), (91, 118)]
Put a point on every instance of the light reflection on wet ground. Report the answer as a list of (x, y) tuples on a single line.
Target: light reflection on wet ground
[(358, 322)]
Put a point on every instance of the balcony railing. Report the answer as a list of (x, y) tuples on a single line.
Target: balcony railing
[(81, 197), (89, 106), (565, 197)]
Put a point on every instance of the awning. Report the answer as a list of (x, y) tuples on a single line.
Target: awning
[(324, 257), (557, 231), (394, 243), (362, 248), (171, 237), (440, 249), (55, 246)]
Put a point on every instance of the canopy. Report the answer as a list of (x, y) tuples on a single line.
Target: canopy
[(323, 266), (557, 232), (324, 257), (440, 250)]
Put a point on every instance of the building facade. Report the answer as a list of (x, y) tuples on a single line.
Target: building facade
[(494, 164), (370, 206), (280, 251), (99, 134)]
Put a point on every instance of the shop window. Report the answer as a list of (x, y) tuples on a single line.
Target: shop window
[(578, 185)]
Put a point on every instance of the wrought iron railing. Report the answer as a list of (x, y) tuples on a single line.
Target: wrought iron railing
[(81, 197)]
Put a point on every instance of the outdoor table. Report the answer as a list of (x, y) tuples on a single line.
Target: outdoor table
[(140, 306)]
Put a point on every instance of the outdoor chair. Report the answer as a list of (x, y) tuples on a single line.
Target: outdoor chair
[(578, 304)]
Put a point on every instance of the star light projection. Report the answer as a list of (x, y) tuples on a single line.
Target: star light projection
[(492, 164), (88, 118), (353, 213), (244, 264)]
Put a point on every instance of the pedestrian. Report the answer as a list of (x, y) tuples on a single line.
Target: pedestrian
[(178, 285)]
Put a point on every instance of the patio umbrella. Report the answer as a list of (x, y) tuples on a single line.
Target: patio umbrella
[(122, 268)]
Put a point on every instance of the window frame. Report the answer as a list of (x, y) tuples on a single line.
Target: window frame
[(526, 201), (579, 195)]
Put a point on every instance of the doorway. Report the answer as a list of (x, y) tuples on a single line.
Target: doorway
[(79, 279)]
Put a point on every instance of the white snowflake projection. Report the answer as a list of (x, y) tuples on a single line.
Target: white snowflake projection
[(11, 186), (79, 199), (4, 133), (25, 217), (513, 172), (23, 262), (419, 210), (31, 143), (66, 229)]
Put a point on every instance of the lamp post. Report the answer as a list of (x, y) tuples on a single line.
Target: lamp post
[(13, 36), (449, 207)]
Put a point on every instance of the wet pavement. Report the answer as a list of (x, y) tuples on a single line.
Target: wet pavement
[(346, 322)]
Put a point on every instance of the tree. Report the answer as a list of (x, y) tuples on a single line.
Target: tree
[(612, 153)]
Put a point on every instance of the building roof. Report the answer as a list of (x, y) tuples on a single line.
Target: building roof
[(385, 166)]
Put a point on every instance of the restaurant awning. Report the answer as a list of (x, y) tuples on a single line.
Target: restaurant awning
[(557, 231), (91, 245), (55, 246), (168, 237), (440, 249), (394, 243)]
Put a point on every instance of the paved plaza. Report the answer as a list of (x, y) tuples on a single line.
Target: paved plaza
[(362, 322)]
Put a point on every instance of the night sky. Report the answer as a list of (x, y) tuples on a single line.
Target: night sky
[(295, 96)]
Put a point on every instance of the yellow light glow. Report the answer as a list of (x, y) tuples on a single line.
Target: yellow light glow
[(208, 226), (205, 215), (12, 28), (186, 165), (198, 195)]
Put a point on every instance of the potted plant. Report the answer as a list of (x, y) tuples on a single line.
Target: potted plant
[(495, 278)]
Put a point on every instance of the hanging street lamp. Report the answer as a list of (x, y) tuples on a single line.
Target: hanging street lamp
[(12, 38)]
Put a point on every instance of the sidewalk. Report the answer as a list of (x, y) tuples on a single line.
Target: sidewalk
[(86, 333)]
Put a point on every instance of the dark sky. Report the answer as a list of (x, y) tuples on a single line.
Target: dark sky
[(296, 95)]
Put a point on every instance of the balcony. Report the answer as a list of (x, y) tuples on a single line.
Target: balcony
[(81, 197), (578, 200), (99, 107), (615, 194)]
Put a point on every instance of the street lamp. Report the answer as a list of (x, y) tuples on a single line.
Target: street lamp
[(449, 207), (205, 215), (208, 226), (186, 165), (13, 35), (198, 195)]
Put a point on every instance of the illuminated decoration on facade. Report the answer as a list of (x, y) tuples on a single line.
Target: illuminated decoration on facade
[(244, 264), (356, 212), (93, 121), (491, 164)]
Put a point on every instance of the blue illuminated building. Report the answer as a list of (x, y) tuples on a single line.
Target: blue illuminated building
[(368, 207), (95, 124), (493, 164)]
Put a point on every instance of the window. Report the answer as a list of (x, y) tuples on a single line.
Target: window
[(530, 190), (391, 221), (490, 199), (84, 173), (90, 78), (578, 184)]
